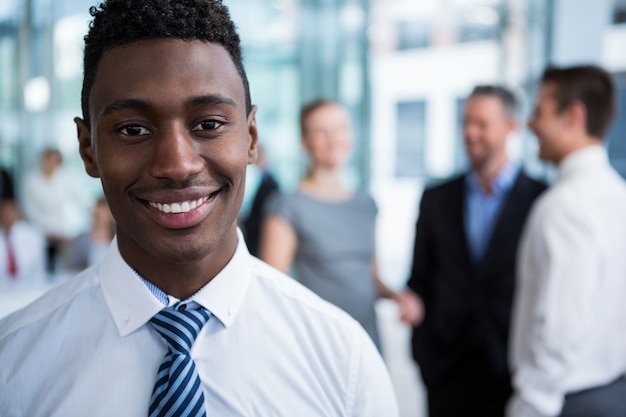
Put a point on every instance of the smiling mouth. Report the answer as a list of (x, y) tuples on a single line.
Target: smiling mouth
[(181, 206)]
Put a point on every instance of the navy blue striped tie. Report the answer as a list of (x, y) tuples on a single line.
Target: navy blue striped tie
[(178, 391)]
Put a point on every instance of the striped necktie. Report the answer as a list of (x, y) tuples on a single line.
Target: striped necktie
[(178, 390)]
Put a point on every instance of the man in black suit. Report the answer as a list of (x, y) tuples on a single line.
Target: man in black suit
[(463, 267), (6, 185), (251, 225)]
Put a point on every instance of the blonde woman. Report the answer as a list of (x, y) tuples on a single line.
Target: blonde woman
[(325, 229)]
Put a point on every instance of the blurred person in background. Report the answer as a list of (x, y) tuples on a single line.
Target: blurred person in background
[(89, 248), (7, 188), (265, 188), (464, 264), (54, 201), (326, 229), (22, 250), (568, 344)]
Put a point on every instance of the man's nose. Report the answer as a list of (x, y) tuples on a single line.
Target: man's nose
[(176, 154)]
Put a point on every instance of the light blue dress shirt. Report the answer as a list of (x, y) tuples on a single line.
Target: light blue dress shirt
[(482, 209)]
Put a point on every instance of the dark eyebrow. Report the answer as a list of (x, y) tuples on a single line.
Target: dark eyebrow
[(210, 99), (133, 103), (123, 104)]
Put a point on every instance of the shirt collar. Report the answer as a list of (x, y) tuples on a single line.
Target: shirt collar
[(224, 294), (132, 304), (500, 184), (589, 156)]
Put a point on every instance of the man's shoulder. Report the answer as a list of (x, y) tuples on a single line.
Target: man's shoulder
[(439, 187), (303, 322), (28, 230), (282, 290), (308, 330), (38, 312), (534, 185)]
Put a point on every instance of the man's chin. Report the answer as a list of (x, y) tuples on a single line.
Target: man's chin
[(477, 163), (181, 253), (546, 157)]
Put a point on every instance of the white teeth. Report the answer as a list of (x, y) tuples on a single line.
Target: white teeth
[(182, 207)]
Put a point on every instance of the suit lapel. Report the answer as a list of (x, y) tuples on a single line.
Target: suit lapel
[(457, 205)]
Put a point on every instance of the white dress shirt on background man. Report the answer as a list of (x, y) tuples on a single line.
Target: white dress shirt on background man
[(58, 203), (271, 348), (28, 245), (570, 308)]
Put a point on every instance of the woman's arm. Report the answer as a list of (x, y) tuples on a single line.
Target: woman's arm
[(278, 243)]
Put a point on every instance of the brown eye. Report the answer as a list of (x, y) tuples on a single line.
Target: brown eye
[(134, 130), (207, 125)]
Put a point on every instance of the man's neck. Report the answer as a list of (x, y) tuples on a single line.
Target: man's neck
[(487, 173), (587, 142), (180, 280), (325, 184)]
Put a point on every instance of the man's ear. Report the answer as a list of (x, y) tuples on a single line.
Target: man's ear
[(85, 148), (253, 136), (577, 114), (512, 125)]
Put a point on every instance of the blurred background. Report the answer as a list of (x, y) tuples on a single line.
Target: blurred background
[(401, 67)]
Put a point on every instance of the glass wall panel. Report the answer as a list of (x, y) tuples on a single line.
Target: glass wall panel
[(9, 90), (411, 120)]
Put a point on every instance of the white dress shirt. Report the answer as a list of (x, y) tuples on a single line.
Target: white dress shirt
[(569, 317), (29, 250), (271, 348), (57, 204)]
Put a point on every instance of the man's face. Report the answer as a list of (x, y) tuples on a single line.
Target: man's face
[(486, 127), (50, 161), (9, 214), (548, 125), (170, 141)]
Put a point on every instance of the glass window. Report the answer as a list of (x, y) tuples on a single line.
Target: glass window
[(460, 156), (410, 119), (619, 12), (479, 22), (616, 139), (413, 34)]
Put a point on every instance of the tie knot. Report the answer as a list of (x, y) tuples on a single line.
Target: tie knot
[(179, 327)]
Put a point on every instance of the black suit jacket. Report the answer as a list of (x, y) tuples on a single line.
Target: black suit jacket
[(252, 224), (468, 305), (6, 185)]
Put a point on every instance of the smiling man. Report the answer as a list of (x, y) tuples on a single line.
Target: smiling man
[(567, 336), (179, 319), (464, 265)]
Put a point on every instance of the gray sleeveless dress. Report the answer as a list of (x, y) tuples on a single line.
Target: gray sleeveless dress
[(335, 250)]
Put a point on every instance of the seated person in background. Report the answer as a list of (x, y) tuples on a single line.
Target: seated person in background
[(54, 201), (89, 248), (22, 250), (265, 188)]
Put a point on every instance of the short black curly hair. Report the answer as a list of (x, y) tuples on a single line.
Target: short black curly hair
[(120, 22)]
